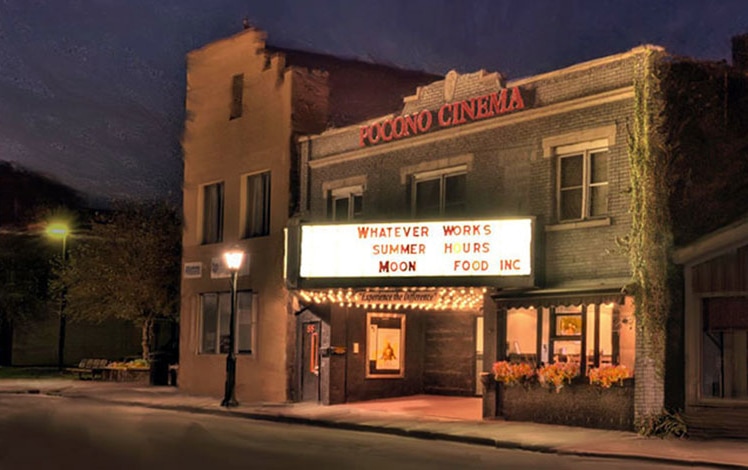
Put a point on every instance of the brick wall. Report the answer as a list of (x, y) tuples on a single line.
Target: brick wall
[(507, 177), (509, 174)]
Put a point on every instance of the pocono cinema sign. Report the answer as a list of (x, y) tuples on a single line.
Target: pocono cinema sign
[(452, 114), (419, 249)]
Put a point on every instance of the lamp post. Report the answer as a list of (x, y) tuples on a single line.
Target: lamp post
[(60, 230), (233, 260)]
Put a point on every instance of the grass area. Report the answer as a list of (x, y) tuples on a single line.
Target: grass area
[(33, 373)]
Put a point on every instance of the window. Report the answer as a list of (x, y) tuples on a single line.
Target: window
[(237, 96), (345, 204), (724, 357), (583, 185), (212, 213), (590, 335), (216, 318), (257, 208), (439, 193)]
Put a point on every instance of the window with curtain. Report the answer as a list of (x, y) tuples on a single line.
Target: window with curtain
[(257, 207), (724, 350), (216, 320), (212, 220)]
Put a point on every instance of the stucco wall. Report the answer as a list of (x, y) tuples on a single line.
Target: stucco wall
[(217, 148)]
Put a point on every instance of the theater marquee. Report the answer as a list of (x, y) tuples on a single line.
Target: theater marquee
[(420, 249)]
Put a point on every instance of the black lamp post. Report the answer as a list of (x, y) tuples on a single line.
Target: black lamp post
[(233, 260), (61, 230)]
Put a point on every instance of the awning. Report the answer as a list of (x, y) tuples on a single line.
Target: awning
[(601, 292), (423, 298)]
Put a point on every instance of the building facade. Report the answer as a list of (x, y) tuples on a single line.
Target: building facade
[(246, 102), (710, 205), (716, 328), (475, 164)]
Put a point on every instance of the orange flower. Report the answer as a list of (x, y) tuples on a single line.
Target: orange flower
[(606, 375), (512, 374), (554, 375)]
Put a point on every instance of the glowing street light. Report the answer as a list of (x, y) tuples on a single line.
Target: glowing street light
[(61, 231), (233, 260)]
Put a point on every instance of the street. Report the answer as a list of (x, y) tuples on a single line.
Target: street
[(46, 432)]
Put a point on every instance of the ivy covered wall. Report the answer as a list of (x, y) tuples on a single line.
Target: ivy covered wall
[(705, 130), (688, 152)]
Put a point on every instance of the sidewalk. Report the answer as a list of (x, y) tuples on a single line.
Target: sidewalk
[(502, 434)]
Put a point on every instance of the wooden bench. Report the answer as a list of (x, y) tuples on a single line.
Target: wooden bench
[(91, 368)]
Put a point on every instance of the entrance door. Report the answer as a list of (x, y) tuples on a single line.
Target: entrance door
[(310, 361), (478, 354)]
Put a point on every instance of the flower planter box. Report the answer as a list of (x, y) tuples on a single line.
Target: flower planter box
[(577, 404), (139, 375)]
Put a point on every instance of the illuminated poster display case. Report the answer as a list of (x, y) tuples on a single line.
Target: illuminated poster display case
[(385, 345), (566, 338)]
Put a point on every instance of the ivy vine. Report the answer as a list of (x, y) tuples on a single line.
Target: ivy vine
[(650, 239)]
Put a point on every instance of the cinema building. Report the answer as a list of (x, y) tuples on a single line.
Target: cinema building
[(246, 102), (477, 223), (490, 220)]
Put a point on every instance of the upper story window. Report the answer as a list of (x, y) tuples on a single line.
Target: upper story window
[(582, 160), (212, 216), (237, 95), (583, 185), (345, 203), (439, 193), (257, 205)]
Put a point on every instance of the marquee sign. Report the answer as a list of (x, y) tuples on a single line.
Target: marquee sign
[(488, 248), (450, 114)]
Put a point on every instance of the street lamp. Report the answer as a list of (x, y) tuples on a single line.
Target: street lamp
[(233, 260), (60, 230)]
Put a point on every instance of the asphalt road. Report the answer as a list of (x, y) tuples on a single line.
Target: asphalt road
[(43, 432)]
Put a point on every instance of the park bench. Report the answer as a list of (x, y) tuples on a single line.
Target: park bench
[(89, 368)]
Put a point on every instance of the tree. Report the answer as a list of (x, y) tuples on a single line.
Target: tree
[(127, 267)]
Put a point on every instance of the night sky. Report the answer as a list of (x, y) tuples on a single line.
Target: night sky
[(92, 91)]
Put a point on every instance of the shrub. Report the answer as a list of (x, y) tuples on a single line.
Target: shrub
[(662, 425)]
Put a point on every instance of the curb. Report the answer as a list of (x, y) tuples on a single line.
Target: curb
[(397, 431)]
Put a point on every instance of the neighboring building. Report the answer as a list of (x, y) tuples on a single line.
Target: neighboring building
[(710, 206), (716, 331), (489, 220), (29, 320), (246, 104)]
